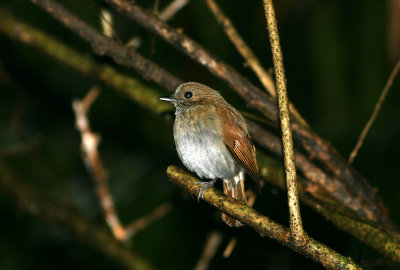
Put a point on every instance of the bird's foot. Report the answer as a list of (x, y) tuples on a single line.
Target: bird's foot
[(204, 187)]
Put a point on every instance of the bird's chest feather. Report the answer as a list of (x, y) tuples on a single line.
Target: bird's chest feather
[(200, 145)]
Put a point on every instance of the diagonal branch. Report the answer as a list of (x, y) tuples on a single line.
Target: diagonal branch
[(103, 45), (262, 224), (242, 47), (377, 109), (91, 157), (210, 248), (172, 9), (296, 225), (164, 15)]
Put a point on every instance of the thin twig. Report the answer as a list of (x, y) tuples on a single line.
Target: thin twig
[(296, 226), (172, 9), (165, 15), (378, 106), (210, 248), (106, 20), (230, 247), (95, 166), (143, 222), (242, 47), (93, 162), (262, 224)]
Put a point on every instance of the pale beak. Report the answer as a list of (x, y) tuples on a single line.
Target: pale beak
[(168, 99)]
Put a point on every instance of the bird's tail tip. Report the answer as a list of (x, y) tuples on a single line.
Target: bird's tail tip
[(235, 190)]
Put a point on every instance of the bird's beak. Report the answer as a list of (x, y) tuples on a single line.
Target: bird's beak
[(168, 99)]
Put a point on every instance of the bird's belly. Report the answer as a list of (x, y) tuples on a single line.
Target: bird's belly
[(205, 153)]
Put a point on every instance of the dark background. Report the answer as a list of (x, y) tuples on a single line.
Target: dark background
[(337, 59)]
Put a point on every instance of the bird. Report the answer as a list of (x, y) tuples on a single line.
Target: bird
[(212, 140)]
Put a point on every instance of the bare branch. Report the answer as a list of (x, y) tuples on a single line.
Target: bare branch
[(103, 45), (230, 247), (242, 47), (262, 224), (377, 109), (164, 15), (296, 225), (172, 9), (143, 222), (93, 162), (106, 21)]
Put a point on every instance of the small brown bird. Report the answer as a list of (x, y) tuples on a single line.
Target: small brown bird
[(212, 140)]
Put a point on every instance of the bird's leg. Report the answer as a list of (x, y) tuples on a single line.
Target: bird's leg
[(204, 187)]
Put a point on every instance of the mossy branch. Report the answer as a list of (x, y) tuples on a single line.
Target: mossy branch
[(296, 225), (262, 224), (387, 242)]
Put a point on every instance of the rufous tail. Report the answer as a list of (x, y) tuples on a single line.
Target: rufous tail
[(235, 190)]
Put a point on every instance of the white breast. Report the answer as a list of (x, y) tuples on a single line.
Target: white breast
[(203, 151)]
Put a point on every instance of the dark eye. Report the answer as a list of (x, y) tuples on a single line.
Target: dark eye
[(188, 94)]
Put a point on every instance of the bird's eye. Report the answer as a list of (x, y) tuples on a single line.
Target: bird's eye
[(188, 94)]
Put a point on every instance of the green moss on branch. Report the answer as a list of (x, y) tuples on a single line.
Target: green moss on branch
[(385, 241), (262, 224)]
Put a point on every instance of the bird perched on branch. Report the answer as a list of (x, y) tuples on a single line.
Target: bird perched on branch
[(212, 140)]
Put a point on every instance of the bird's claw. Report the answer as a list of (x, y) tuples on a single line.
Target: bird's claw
[(204, 187)]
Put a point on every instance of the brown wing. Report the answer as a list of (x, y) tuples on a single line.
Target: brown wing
[(238, 141)]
